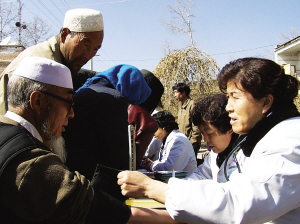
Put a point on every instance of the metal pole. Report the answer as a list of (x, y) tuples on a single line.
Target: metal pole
[(20, 27)]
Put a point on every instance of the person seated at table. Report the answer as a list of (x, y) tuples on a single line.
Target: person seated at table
[(153, 149), (261, 178), (210, 115), (176, 151)]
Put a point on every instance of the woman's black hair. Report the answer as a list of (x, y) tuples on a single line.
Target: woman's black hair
[(212, 110), (166, 120), (260, 77), (157, 90)]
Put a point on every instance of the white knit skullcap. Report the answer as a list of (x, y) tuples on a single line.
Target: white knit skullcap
[(45, 70), (83, 20)]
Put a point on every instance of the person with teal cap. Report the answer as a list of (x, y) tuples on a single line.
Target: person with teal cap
[(98, 134)]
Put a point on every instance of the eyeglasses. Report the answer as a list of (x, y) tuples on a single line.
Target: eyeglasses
[(71, 102)]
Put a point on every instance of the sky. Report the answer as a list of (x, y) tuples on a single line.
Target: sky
[(135, 35)]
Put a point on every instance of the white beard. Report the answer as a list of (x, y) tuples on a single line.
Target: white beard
[(57, 146)]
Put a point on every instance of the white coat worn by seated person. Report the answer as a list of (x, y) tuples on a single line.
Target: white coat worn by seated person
[(273, 162), (177, 154), (210, 169)]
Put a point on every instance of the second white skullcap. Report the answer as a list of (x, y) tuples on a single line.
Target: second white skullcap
[(83, 20), (45, 70)]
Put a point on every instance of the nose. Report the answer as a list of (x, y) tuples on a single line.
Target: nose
[(229, 107), (71, 113), (206, 138)]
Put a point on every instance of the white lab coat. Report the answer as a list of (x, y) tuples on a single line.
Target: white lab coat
[(267, 189), (208, 169), (153, 149), (177, 154)]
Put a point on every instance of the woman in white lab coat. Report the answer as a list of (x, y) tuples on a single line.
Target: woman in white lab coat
[(261, 179), (210, 115), (176, 151)]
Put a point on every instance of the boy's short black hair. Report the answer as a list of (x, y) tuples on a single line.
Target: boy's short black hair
[(182, 87)]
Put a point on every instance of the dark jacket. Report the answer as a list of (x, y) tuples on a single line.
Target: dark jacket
[(98, 133), (36, 187)]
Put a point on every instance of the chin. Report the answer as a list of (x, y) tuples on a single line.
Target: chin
[(239, 131)]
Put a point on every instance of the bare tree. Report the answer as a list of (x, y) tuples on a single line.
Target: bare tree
[(286, 37), (36, 32), (190, 65), (8, 17), (181, 22)]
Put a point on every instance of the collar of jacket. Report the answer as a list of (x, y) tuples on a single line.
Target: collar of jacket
[(262, 127), (222, 155), (170, 136), (184, 105)]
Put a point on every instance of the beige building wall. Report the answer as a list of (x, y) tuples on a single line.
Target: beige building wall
[(8, 53)]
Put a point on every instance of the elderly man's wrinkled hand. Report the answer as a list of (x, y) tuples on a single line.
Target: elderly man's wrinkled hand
[(133, 183)]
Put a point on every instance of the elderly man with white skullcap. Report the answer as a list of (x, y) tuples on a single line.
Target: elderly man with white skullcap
[(78, 41), (35, 185)]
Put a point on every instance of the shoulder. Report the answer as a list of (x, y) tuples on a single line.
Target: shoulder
[(136, 112), (99, 93), (282, 137), (288, 128), (6, 120), (191, 103), (42, 49), (178, 136), (135, 109)]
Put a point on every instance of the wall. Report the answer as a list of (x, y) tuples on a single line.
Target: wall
[(8, 53)]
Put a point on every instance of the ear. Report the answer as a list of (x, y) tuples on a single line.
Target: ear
[(230, 131), (267, 103), (36, 101), (64, 33)]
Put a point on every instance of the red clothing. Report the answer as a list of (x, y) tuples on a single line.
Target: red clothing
[(144, 129)]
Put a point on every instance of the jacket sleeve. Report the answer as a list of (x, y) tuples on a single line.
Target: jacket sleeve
[(153, 149), (144, 137), (267, 189), (43, 189), (203, 171)]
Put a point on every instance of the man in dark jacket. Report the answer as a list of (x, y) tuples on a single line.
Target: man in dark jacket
[(35, 185)]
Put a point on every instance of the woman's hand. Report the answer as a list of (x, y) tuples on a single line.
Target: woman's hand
[(147, 162), (137, 185), (133, 183)]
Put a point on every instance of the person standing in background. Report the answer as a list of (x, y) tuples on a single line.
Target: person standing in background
[(186, 126)]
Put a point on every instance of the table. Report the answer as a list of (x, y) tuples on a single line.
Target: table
[(144, 203)]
